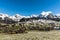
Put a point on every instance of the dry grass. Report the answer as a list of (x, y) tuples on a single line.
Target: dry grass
[(32, 35)]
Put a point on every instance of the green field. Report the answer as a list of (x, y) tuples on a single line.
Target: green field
[(32, 35)]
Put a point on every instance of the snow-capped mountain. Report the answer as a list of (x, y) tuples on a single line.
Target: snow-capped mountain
[(3, 16), (45, 14), (18, 17), (50, 16), (58, 15)]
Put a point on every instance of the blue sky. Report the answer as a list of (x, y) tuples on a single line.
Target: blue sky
[(28, 7)]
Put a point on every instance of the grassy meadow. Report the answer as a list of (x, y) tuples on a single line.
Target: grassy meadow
[(32, 35)]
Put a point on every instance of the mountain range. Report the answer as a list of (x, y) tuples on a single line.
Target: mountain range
[(19, 18)]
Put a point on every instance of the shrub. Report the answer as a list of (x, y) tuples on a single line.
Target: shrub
[(12, 29)]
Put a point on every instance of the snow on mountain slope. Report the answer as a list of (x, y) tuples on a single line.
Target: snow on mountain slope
[(45, 14), (58, 15), (3, 15), (34, 15), (17, 17)]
